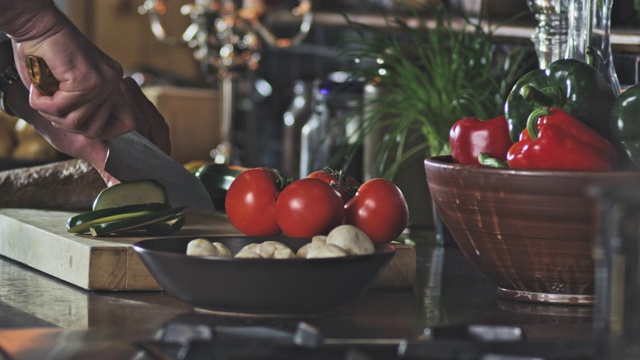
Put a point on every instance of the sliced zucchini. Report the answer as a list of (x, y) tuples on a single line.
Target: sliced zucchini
[(81, 223), (167, 227), (130, 193), (135, 222)]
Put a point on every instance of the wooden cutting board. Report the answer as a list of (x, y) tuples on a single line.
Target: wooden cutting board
[(38, 238)]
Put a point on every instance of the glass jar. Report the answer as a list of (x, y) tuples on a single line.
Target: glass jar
[(336, 116)]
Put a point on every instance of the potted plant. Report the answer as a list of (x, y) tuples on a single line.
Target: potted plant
[(422, 78)]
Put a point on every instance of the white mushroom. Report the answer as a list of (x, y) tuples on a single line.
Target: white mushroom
[(277, 244), (351, 239), (250, 247), (250, 251), (325, 251), (201, 247), (283, 254), (266, 250), (222, 249), (303, 251), (318, 240), (248, 254)]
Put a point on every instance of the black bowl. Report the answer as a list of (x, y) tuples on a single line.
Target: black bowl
[(260, 286)]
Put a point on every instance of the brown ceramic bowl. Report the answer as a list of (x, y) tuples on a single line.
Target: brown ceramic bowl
[(531, 232)]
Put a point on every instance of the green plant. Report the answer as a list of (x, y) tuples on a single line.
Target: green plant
[(432, 73)]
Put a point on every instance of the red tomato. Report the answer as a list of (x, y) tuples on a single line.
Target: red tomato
[(379, 209), (251, 201), (345, 184), (309, 207)]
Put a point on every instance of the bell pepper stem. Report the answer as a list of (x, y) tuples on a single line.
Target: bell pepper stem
[(546, 97), (487, 160), (532, 121)]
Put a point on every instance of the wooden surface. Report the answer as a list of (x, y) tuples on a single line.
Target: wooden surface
[(193, 116), (38, 238)]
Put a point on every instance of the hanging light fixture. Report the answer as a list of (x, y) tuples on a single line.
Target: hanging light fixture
[(227, 41)]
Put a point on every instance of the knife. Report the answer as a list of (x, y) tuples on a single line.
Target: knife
[(131, 156)]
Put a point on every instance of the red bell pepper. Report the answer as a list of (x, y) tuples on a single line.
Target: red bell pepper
[(555, 140), (469, 137)]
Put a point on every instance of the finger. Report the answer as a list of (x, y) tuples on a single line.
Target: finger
[(92, 150), (73, 124), (122, 119), (85, 109), (87, 117), (115, 127), (69, 96), (96, 123), (109, 179)]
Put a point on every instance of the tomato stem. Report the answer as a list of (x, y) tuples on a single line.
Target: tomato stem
[(281, 180)]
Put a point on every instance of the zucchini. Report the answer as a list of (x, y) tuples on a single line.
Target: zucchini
[(217, 178), (135, 222), (81, 223), (167, 227), (130, 193)]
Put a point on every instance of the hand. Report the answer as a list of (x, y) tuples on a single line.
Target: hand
[(89, 100), (93, 101), (149, 123)]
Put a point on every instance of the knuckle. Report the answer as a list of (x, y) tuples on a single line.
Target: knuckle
[(128, 126), (72, 123)]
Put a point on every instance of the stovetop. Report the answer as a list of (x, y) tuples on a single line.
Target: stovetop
[(185, 341)]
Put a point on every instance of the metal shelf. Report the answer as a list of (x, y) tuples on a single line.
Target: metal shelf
[(622, 39)]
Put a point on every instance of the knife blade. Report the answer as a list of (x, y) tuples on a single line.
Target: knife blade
[(131, 156)]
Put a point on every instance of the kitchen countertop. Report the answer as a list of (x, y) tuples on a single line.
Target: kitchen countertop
[(61, 318)]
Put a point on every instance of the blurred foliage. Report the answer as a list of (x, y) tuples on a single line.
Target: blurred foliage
[(433, 71)]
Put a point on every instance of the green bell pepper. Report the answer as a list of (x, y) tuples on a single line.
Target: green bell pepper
[(571, 85), (625, 124)]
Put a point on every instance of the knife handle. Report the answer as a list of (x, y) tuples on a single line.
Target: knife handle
[(41, 76)]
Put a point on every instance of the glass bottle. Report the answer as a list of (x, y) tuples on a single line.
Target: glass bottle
[(337, 109), (616, 313), (589, 24), (294, 118), (550, 35)]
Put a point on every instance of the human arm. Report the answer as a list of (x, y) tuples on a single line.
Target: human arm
[(149, 122)]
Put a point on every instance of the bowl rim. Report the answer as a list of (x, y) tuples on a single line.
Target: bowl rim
[(139, 247), (446, 162)]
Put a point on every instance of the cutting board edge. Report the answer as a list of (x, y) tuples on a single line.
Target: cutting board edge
[(130, 273), (16, 235), (74, 259)]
